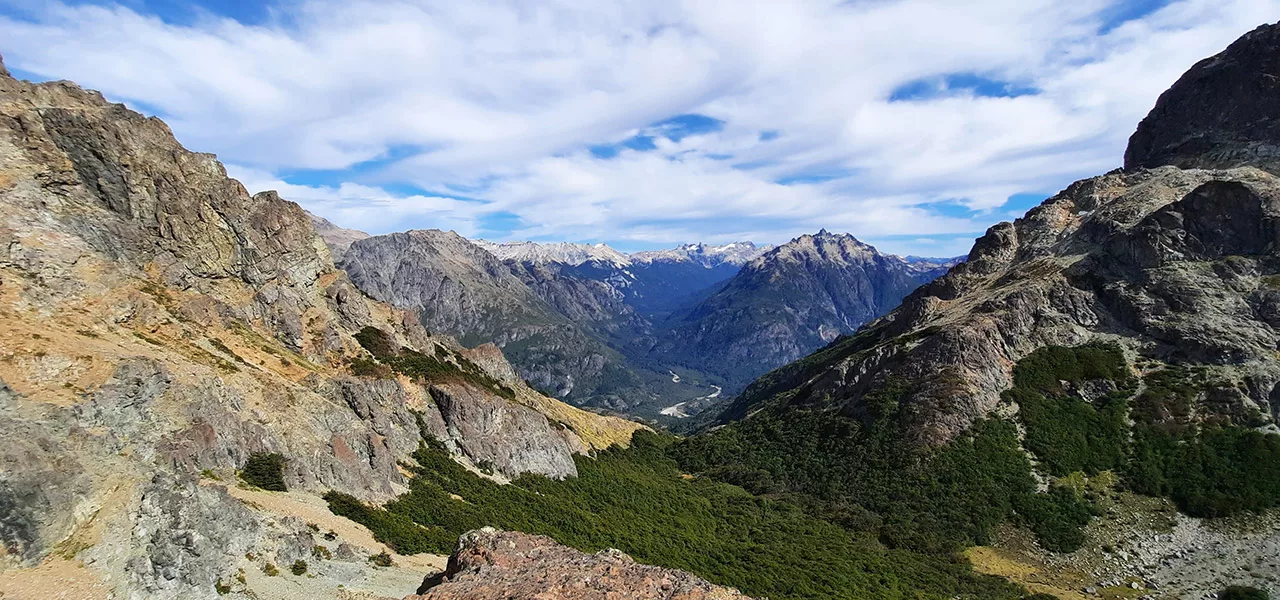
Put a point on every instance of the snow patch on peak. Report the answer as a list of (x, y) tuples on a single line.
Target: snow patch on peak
[(735, 253), (558, 252)]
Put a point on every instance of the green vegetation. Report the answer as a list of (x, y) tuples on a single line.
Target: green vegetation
[(866, 477), (221, 347), (443, 365), (1068, 433), (381, 559), (299, 567), (1192, 442), (270, 570), (221, 588), (1209, 471), (636, 500), (265, 471), (1057, 517), (1236, 592)]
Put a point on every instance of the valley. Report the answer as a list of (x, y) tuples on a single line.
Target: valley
[(602, 329)]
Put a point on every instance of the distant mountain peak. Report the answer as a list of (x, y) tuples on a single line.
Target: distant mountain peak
[(337, 238), (555, 252), (734, 253)]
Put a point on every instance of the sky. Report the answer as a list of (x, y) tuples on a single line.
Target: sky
[(912, 124)]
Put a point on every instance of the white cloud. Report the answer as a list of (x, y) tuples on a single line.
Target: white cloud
[(503, 97), (370, 209)]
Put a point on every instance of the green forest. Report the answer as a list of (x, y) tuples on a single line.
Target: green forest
[(637, 500)]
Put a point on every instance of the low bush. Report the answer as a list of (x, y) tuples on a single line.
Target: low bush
[(264, 470)]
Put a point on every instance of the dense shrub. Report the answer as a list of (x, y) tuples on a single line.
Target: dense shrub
[(867, 477), (299, 567), (1057, 518), (378, 342), (264, 471), (1066, 432), (1212, 471), (636, 500)]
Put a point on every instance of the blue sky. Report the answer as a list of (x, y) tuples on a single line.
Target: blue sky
[(912, 124)]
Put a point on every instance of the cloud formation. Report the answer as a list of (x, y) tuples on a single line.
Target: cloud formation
[(909, 123)]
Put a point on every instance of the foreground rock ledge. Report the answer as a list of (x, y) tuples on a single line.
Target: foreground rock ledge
[(492, 564)]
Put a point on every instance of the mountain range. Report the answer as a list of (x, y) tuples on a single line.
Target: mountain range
[(652, 334)]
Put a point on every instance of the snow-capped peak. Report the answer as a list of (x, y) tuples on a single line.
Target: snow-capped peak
[(557, 252), (735, 253)]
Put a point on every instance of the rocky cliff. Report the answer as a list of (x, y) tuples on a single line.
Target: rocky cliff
[(1221, 114), (492, 564), (161, 326), (790, 301)]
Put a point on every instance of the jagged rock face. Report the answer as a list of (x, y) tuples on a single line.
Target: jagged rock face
[(1173, 264), (790, 301), (490, 430), (160, 322), (1223, 113), (583, 300), (459, 286), (492, 564)]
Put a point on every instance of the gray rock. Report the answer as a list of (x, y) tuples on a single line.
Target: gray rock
[(1220, 114)]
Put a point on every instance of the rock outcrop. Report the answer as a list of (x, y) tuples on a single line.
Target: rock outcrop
[(492, 564), (1223, 113), (161, 325)]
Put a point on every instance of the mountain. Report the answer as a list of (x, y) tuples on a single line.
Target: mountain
[(666, 281), (557, 252), (653, 283), (1220, 114), (167, 335), (338, 239), (459, 288), (1122, 335), (637, 334), (735, 253), (789, 301), (575, 319)]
